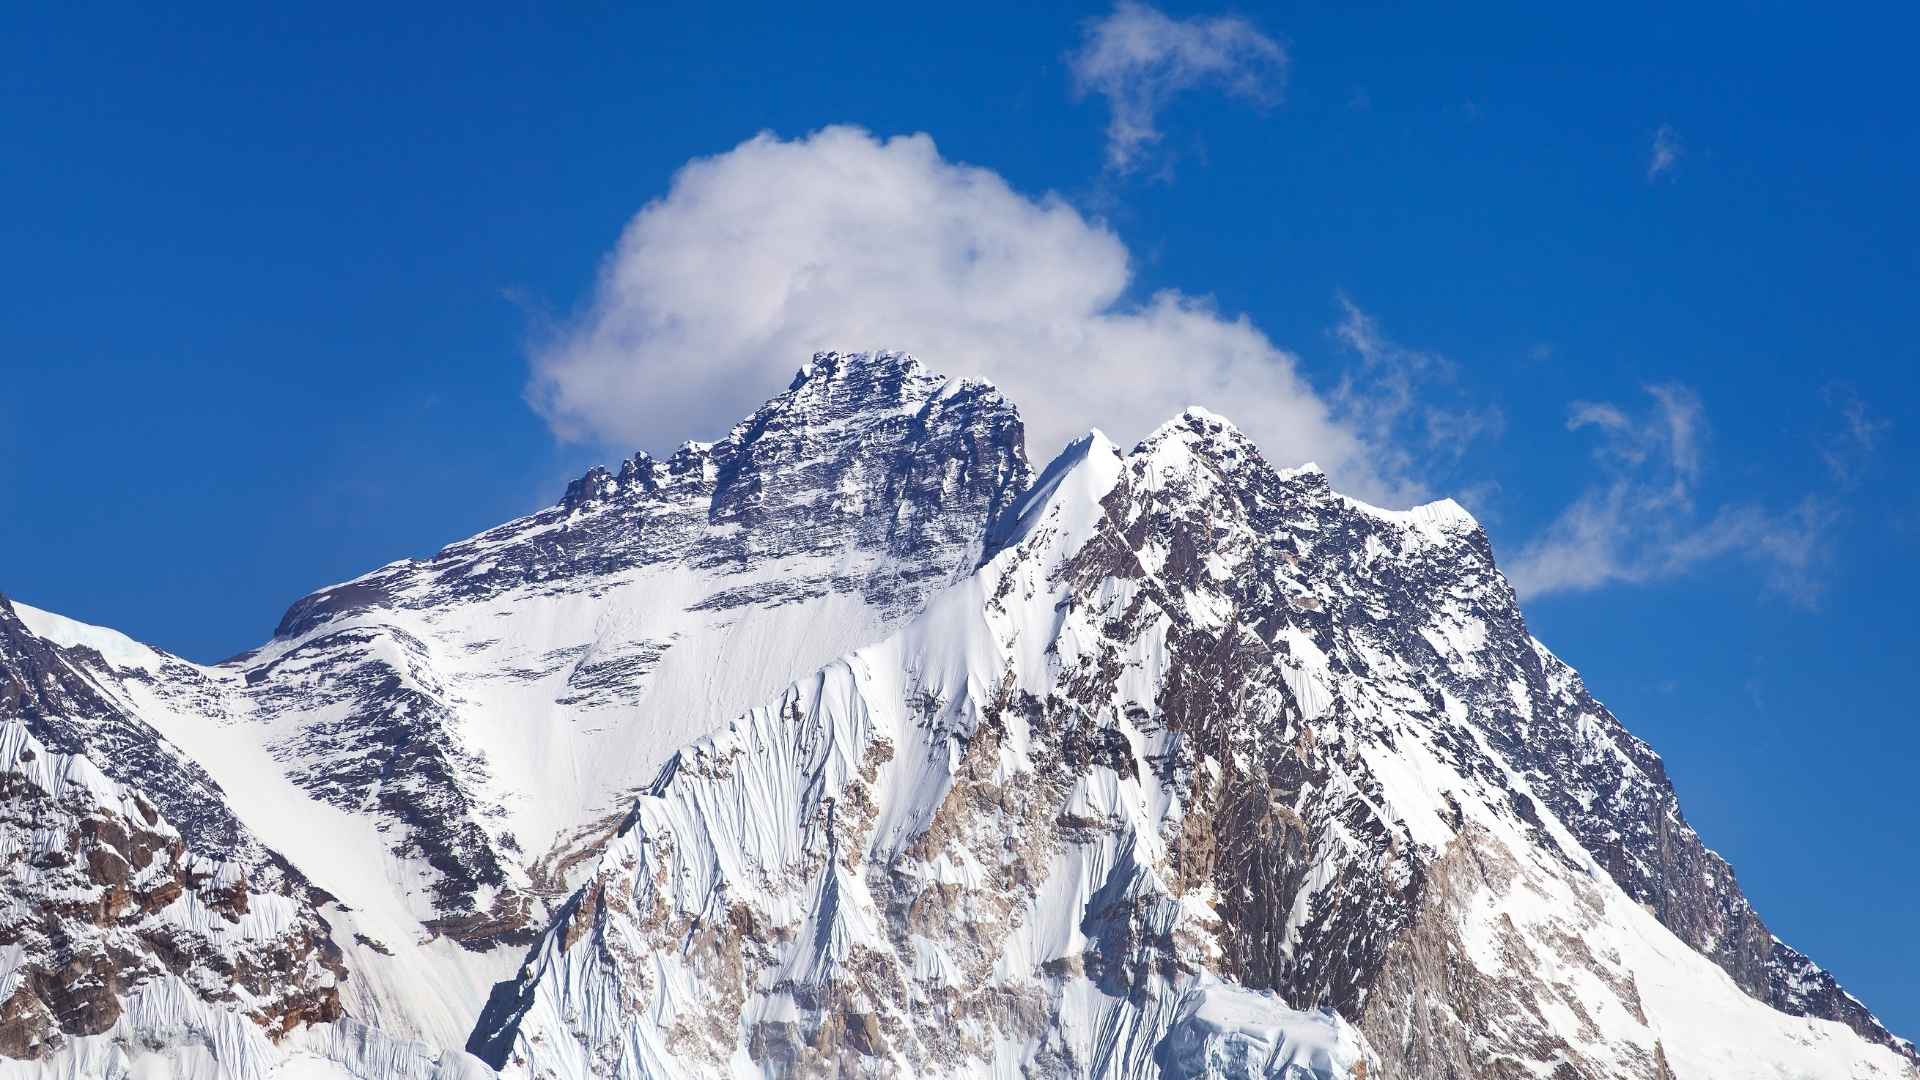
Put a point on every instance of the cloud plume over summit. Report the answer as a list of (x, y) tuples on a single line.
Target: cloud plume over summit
[(756, 257)]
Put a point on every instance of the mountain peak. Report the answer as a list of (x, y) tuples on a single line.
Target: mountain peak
[(1196, 423), (1197, 431), (1201, 744), (828, 364), (836, 403)]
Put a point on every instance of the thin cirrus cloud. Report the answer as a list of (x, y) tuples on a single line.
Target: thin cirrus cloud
[(1846, 451), (1399, 389), (1667, 149), (1139, 59), (759, 256), (1642, 522)]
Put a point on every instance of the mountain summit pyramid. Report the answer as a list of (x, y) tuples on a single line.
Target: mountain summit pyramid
[(847, 746)]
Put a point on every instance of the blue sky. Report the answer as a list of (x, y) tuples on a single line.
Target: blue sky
[(290, 296)]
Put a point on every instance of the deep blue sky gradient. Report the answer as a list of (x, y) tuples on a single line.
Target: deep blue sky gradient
[(268, 279)]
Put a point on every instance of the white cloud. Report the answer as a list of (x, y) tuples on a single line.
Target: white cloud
[(1847, 450), (759, 256), (1139, 58), (1667, 149), (1641, 522), (1670, 437)]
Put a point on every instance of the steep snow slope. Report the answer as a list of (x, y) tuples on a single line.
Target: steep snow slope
[(437, 745), (491, 710), (1202, 728), (530, 677), (199, 752), (130, 948)]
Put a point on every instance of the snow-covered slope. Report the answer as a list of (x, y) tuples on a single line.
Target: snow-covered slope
[(902, 866), (485, 704), (1198, 731), (433, 748), (489, 712), (843, 746)]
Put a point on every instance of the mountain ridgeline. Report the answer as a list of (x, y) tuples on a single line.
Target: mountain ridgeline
[(846, 745)]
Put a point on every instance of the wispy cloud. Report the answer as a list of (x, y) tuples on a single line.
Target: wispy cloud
[(1670, 435), (1667, 150), (1847, 449), (1138, 58), (1641, 521), (1393, 390)]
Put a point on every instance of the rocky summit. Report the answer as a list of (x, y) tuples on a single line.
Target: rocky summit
[(846, 746)]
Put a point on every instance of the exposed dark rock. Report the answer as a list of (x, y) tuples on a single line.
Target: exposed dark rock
[(128, 901)]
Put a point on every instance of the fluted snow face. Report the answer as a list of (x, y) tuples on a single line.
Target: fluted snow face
[(1198, 732)]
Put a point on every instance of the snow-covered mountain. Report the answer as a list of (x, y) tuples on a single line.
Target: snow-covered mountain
[(485, 716), (437, 745), (842, 746), (1197, 723)]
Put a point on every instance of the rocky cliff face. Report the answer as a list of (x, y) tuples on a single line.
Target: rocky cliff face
[(128, 876), (64, 695), (844, 746), (106, 901)]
